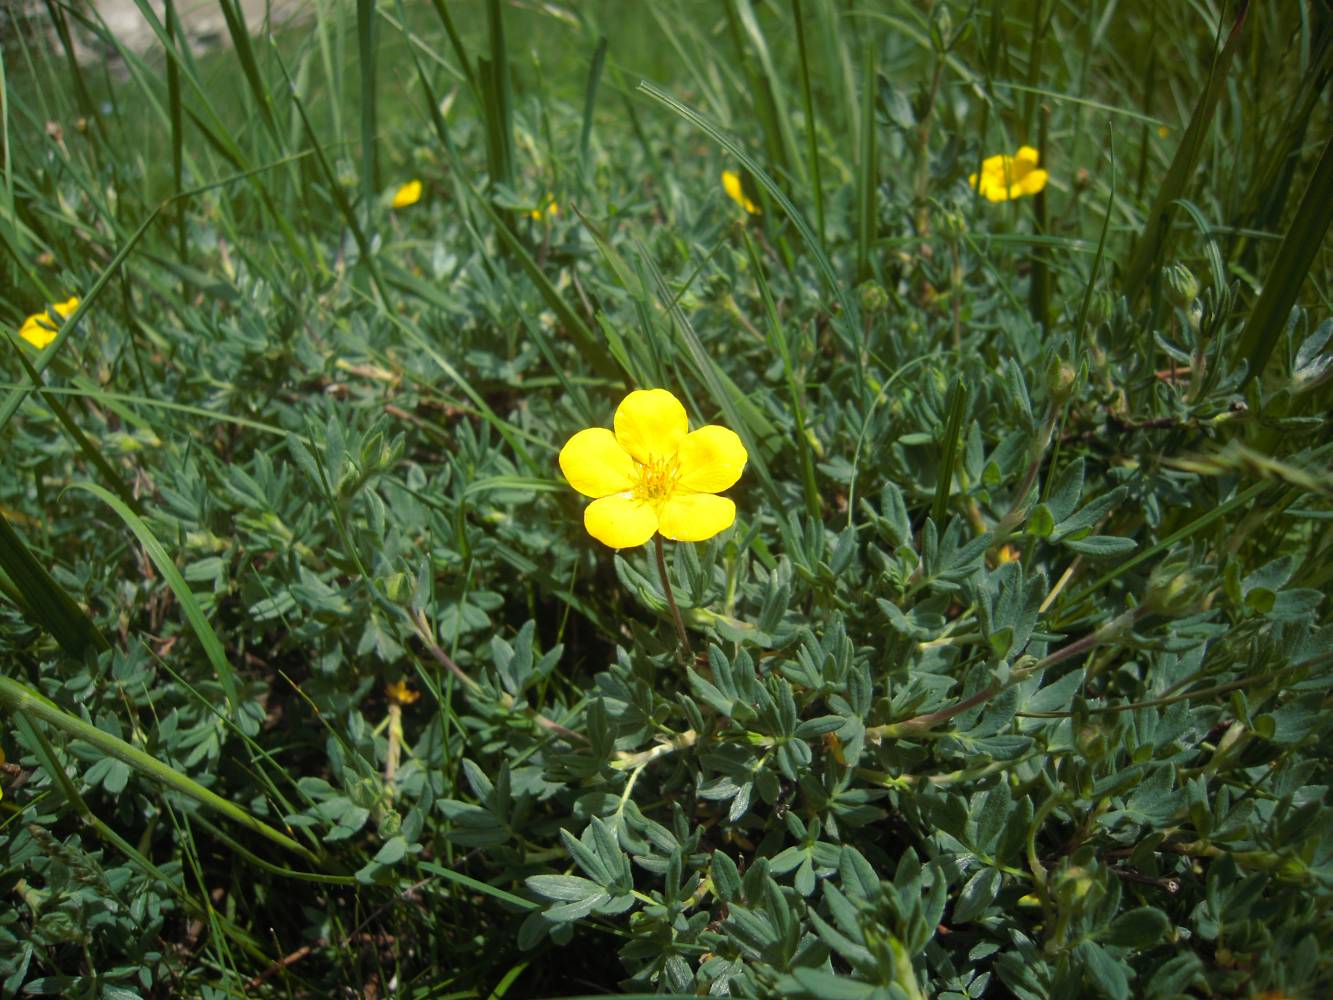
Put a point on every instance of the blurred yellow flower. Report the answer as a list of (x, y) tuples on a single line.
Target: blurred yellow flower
[(731, 183), (1004, 177), (549, 206), (1162, 131), (654, 474), (38, 330), (399, 692), (408, 194)]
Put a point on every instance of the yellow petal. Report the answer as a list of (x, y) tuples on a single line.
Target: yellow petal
[(711, 459), (1033, 182), (596, 465), (39, 330), (408, 194), (1027, 154), (620, 521), (692, 517), (650, 424), (731, 183)]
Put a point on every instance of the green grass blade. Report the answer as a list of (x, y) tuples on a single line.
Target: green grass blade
[(741, 413), (93, 454), (442, 11), (194, 614), (949, 451), (20, 699), (15, 399), (365, 46), (590, 102), (849, 328), (811, 130), (1082, 320), (867, 175), (1297, 252), (499, 110), (587, 343), (472, 884), (778, 339), (177, 137), (1039, 285), (245, 54), (1147, 256), (768, 85), (48, 603)]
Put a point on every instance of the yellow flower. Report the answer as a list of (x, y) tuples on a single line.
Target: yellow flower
[(551, 208), (408, 194), (399, 691), (38, 329), (731, 183), (654, 474), (1004, 177), (1162, 131)]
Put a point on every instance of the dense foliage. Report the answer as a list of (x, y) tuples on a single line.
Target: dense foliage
[(1011, 678)]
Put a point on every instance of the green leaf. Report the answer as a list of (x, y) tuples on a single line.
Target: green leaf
[(1101, 546), (1138, 929), (392, 852), (820, 985), (976, 895), (564, 888), (1107, 975)]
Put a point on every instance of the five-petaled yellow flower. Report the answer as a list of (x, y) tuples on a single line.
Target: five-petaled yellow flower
[(654, 474), (408, 194), (549, 206), (38, 330), (731, 183), (400, 692), (1004, 177)]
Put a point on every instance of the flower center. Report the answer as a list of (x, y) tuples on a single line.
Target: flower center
[(656, 479)]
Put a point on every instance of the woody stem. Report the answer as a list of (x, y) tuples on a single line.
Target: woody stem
[(671, 601)]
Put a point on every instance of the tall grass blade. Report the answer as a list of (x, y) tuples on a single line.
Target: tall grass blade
[(245, 54), (1086, 305), (94, 455), (848, 326), (867, 176), (177, 137), (456, 40), (1290, 267), (957, 404), (811, 127), (1158, 224), (82, 95), (365, 46), (769, 97), (778, 339), (1039, 288), (194, 614), (590, 102), (499, 111), (22, 700), (49, 604)]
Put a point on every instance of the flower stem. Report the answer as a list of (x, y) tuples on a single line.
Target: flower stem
[(671, 601)]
